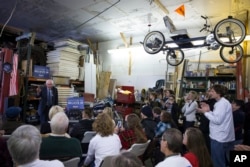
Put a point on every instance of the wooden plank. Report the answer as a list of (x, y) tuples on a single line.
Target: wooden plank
[(112, 86), (124, 40), (91, 46), (161, 6), (103, 85)]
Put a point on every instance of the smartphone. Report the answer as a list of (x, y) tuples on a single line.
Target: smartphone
[(119, 124)]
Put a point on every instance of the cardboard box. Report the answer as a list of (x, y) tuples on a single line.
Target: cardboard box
[(24, 67), (60, 80)]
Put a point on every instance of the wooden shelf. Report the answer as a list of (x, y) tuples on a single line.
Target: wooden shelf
[(37, 79)]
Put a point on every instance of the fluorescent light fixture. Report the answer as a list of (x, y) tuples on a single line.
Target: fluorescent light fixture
[(199, 42), (172, 45), (124, 50)]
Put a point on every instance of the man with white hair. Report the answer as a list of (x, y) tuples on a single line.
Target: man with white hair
[(24, 145), (58, 145), (48, 97)]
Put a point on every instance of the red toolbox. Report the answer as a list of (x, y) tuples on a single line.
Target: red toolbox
[(126, 98)]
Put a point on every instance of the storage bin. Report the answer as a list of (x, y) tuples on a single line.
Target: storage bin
[(89, 97)]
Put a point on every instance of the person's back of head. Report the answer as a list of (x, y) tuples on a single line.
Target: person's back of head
[(88, 113), (103, 125), (173, 138), (59, 123), (55, 109), (108, 110), (133, 121), (166, 117), (13, 113), (239, 103), (24, 144), (195, 143), (126, 159), (156, 110)]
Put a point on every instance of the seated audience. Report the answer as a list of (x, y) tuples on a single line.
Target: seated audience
[(58, 145), (132, 132), (165, 123), (24, 145), (45, 127), (12, 120), (148, 124), (197, 153), (171, 146), (105, 142), (83, 126)]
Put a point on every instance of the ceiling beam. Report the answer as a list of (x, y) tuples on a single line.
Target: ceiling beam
[(91, 46), (124, 40), (161, 6)]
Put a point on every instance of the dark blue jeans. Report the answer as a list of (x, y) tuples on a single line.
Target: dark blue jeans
[(220, 153)]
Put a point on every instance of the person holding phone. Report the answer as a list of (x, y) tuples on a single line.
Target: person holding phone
[(132, 131)]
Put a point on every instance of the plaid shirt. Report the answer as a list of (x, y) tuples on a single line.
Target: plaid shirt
[(160, 128), (127, 138)]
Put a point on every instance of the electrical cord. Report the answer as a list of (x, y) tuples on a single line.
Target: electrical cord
[(11, 14)]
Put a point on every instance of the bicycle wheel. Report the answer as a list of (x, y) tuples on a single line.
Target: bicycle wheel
[(229, 32), (153, 42), (175, 57), (231, 54)]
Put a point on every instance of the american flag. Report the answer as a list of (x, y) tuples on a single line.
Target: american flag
[(14, 77)]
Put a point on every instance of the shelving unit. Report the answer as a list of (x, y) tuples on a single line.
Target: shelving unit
[(30, 102), (78, 86), (200, 84)]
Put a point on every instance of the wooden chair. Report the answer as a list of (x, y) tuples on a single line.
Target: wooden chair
[(72, 162), (88, 135)]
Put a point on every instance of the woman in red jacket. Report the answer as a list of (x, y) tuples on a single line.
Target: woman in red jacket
[(197, 153)]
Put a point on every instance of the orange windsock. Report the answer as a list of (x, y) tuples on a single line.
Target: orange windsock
[(181, 10)]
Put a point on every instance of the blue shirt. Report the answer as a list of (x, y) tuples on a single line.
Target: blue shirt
[(160, 128)]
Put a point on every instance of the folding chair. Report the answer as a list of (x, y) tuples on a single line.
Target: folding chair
[(139, 148), (72, 162), (88, 135)]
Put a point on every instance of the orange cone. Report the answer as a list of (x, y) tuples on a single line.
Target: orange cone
[(181, 10)]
